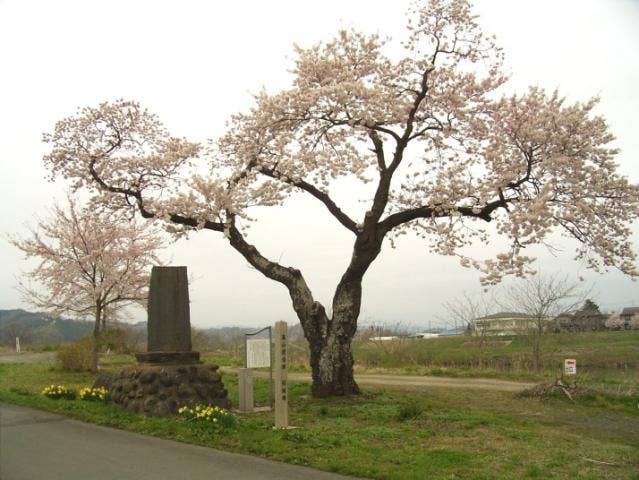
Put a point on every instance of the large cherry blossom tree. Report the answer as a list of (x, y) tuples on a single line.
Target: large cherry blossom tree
[(91, 264), (438, 148)]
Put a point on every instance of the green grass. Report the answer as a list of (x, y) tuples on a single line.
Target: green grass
[(609, 359), (392, 434), (593, 350), (603, 358)]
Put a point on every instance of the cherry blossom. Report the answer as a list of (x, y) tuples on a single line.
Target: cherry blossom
[(442, 151), (91, 264)]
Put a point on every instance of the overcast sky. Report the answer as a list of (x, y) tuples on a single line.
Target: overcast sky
[(194, 63)]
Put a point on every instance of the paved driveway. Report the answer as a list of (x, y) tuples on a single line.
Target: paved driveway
[(38, 445)]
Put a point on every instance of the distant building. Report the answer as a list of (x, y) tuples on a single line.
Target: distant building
[(507, 323), (587, 318), (452, 332), (629, 317), (580, 322), (425, 335)]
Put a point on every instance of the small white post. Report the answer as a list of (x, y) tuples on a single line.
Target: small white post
[(17, 344), (280, 367), (245, 386)]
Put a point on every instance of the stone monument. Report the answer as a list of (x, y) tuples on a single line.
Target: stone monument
[(169, 318), (169, 374)]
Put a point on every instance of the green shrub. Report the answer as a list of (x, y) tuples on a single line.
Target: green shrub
[(46, 348), (77, 356), (120, 340)]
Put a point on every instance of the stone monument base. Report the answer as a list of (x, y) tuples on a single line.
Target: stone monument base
[(161, 389), (168, 358)]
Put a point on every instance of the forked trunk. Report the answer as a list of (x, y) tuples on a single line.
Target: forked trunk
[(330, 345), (331, 354), (329, 339)]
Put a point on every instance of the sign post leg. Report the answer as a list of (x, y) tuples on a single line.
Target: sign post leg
[(245, 384)]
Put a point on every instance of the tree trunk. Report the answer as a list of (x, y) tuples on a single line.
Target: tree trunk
[(96, 338), (331, 355), (332, 368), (329, 341)]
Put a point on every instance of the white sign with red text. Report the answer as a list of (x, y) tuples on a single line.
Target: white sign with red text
[(570, 366)]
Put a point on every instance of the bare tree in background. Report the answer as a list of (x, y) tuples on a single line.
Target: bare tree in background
[(465, 310), (16, 330), (542, 298)]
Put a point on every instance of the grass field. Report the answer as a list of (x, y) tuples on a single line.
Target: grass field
[(393, 434), (603, 358)]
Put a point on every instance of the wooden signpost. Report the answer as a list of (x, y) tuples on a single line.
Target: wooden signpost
[(247, 403), (280, 368), (258, 355)]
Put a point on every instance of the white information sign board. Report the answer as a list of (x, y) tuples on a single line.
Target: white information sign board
[(258, 352), (570, 366)]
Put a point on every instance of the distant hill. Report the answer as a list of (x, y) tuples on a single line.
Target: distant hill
[(39, 328), (42, 329), (229, 333)]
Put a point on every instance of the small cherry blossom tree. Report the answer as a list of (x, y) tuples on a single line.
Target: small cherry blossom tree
[(92, 264), (438, 149)]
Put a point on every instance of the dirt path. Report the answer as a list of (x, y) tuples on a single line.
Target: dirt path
[(405, 381), (414, 381), (27, 357)]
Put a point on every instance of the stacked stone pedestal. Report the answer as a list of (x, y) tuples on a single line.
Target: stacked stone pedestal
[(169, 375), (162, 389)]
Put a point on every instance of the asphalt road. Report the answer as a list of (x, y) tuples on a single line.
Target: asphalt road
[(38, 445)]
